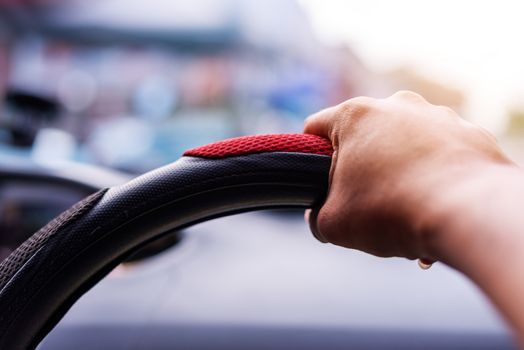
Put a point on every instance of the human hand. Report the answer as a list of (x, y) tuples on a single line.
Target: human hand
[(395, 160)]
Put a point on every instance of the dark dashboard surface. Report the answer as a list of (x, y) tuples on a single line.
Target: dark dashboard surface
[(218, 337)]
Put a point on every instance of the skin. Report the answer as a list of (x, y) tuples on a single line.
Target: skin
[(414, 180)]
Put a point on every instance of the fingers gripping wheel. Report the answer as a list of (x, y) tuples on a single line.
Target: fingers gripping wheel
[(42, 278)]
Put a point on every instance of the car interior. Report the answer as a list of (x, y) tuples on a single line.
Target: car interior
[(154, 177)]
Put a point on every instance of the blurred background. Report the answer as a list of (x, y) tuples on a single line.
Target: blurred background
[(131, 84), (125, 86)]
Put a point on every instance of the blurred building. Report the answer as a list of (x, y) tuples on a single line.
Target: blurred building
[(140, 81)]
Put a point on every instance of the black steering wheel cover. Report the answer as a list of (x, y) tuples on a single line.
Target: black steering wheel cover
[(35, 296)]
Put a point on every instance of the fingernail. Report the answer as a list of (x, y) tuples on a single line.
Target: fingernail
[(425, 264), (426, 261), (307, 213)]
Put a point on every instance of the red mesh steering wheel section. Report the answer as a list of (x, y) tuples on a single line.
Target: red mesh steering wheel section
[(238, 146)]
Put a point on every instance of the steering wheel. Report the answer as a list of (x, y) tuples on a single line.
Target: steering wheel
[(45, 275)]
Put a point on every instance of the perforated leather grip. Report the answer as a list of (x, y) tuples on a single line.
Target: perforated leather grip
[(42, 279)]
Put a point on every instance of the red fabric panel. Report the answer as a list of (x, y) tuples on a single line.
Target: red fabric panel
[(301, 143)]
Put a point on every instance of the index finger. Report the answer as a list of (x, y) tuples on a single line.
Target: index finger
[(321, 123)]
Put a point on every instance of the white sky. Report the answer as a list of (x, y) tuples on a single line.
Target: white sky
[(475, 45)]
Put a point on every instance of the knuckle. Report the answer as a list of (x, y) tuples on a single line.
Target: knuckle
[(487, 133), (447, 110), (408, 95), (356, 107), (477, 130)]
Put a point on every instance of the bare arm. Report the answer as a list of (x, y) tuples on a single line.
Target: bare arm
[(414, 180)]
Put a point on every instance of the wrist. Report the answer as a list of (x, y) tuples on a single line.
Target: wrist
[(476, 227), (452, 220)]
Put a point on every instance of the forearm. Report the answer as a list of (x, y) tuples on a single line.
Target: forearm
[(478, 226)]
